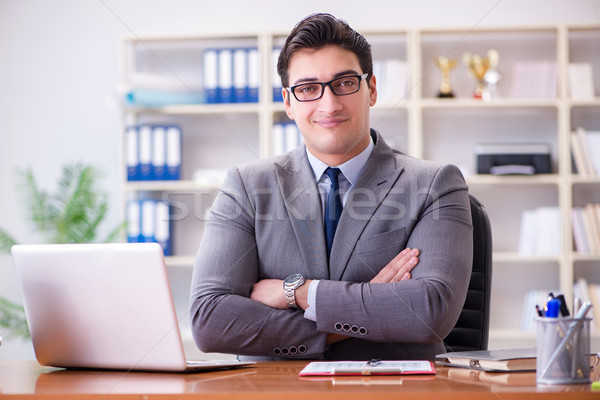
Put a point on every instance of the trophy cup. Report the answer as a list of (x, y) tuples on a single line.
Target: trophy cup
[(445, 65), (483, 69)]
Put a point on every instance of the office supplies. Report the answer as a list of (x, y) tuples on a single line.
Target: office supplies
[(553, 308), (513, 359), (564, 310), (576, 305), (372, 367), (102, 306), (539, 311), (562, 357)]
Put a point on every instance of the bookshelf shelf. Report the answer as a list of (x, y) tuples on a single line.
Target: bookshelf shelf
[(217, 136), (515, 257), (168, 186), (493, 103), (197, 109), (179, 261), (539, 179)]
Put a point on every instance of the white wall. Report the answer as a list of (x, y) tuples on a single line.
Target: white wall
[(59, 69)]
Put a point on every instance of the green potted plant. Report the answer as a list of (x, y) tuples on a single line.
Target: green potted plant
[(72, 214)]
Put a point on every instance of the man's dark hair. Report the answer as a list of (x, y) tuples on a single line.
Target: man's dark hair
[(317, 31)]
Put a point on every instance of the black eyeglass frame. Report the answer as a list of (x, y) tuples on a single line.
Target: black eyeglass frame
[(361, 77)]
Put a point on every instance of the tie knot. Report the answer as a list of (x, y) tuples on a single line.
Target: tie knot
[(333, 173)]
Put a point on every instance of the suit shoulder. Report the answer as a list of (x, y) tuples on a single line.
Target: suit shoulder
[(404, 160), (262, 168)]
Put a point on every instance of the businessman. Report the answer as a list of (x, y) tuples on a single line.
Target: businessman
[(342, 248)]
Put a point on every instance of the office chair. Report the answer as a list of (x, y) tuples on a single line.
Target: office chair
[(471, 331)]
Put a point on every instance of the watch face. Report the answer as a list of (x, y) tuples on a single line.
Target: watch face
[(293, 278)]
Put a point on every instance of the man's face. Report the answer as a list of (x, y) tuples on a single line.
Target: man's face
[(335, 128)]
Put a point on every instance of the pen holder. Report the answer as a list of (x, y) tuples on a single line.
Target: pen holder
[(563, 348)]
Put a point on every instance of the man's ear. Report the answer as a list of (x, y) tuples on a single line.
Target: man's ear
[(286, 102), (373, 91)]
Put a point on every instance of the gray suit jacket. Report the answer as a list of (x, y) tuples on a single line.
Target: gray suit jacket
[(266, 222)]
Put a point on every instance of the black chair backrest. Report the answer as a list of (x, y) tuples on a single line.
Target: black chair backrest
[(471, 331)]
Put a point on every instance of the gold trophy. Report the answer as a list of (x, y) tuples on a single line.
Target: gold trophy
[(445, 65), (483, 69)]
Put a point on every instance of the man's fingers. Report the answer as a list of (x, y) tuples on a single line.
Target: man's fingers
[(395, 270)]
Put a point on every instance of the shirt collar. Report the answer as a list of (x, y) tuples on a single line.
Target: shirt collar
[(351, 168)]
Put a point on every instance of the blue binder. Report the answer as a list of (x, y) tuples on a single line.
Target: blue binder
[(277, 96), (210, 74), (134, 233), (162, 232), (253, 75), (132, 158), (225, 85), (240, 75), (159, 153), (145, 152), (173, 154)]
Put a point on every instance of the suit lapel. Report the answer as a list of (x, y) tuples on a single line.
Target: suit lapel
[(376, 180), (303, 205)]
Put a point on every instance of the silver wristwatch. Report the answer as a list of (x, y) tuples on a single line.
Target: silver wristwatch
[(290, 284)]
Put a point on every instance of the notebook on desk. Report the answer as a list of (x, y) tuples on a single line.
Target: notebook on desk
[(103, 306)]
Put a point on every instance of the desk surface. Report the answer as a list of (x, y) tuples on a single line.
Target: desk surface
[(275, 380)]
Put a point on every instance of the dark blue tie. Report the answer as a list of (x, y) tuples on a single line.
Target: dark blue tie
[(333, 207)]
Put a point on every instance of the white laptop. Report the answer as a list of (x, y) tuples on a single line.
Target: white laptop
[(106, 306)]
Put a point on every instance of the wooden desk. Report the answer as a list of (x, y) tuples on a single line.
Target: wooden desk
[(276, 380)]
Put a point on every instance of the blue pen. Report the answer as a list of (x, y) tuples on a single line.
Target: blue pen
[(553, 308)]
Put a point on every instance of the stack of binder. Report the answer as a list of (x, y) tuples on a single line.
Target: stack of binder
[(149, 221), (585, 148), (393, 80), (534, 79), (586, 228), (286, 137), (276, 81), (231, 75), (153, 152), (147, 89), (540, 233)]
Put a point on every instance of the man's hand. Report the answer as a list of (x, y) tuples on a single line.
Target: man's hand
[(270, 293), (399, 268)]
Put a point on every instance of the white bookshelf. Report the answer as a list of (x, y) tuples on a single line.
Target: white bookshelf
[(420, 124)]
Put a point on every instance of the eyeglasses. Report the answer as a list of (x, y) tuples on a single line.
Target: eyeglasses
[(342, 86)]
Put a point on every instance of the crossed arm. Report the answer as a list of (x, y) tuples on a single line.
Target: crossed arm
[(270, 291)]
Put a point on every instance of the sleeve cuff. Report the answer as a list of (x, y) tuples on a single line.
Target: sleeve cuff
[(311, 312)]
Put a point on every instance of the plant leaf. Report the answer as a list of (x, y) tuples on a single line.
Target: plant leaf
[(12, 319), (6, 242)]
